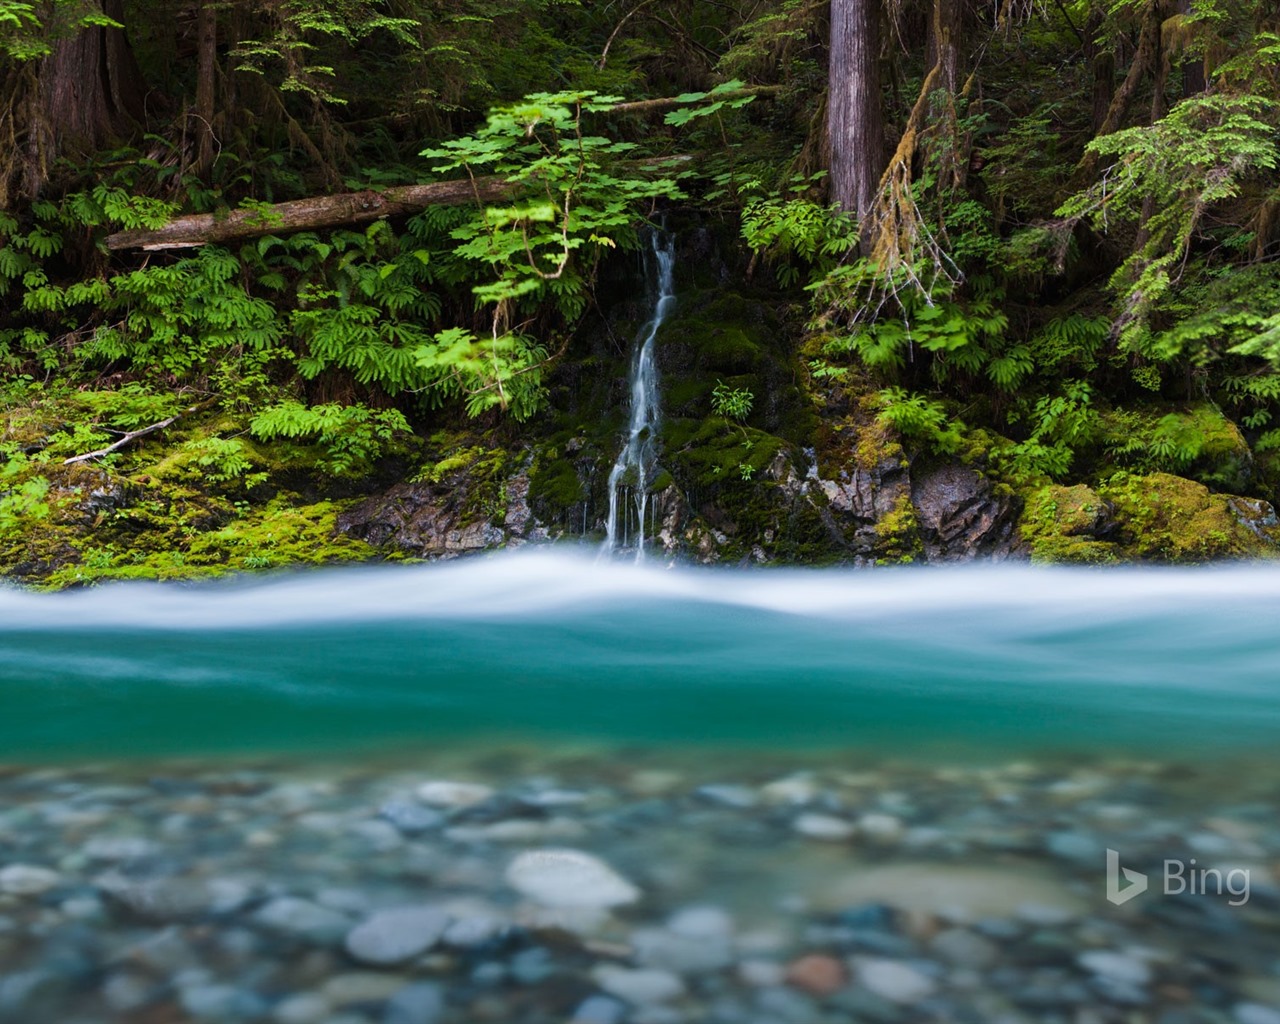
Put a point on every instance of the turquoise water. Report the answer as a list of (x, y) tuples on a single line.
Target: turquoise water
[(541, 646)]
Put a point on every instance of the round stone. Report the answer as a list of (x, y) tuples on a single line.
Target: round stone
[(396, 935), (893, 980), (823, 826), (1116, 966), (453, 795), (564, 878), (639, 987), (816, 974), (27, 880)]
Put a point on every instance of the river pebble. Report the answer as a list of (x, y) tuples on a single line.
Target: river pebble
[(569, 879), (553, 887), (395, 935)]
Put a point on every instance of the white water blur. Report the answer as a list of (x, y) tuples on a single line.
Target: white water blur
[(1009, 601), (631, 471)]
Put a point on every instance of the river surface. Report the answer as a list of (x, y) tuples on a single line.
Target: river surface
[(753, 796)]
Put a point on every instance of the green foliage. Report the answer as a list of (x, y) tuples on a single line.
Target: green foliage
[(1166, 177), (732, 403), (350, 437), (921, 420), (783, 228), (22, 501)]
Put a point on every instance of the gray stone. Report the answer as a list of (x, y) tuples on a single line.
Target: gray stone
[(824, 827), (221, 1003), (599, 1010), (562, 878), (532, 966), (1255, 1013), (960, 516), (474, 930), (892, 979), (28, 880), (701, 922), (638, 986), (305, 1008), (453, 795), (787, 1006), (120, 848), (739, 797), (410, 817), (396, 935), (1075, 847), (302, 919), (684, 954), (963, 948), (419, 1003), (1116, 966)]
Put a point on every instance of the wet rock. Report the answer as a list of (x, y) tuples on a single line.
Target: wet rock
[(306, 1008), (892, 980), (684, 954), (351, 987), (219, 1004), (426, 519), (1075, 847), (710, 923), (562, 878), (881, 828), (824, 826), (960, 516), (409, 817), (1116, 966), (453, 795), (396, 935), (419, 1003), (599, 1010), (639, 987), (761, 973), (120, 848), (963, 948), (816, 974), (739, 797), (176, 899), (1255, 1013), (302, 919), (28, 880)]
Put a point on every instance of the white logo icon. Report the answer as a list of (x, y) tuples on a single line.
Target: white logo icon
[(1136, 879)]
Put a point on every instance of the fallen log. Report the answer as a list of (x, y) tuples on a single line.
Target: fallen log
[(309, 213), (369, 205), (326, 211)]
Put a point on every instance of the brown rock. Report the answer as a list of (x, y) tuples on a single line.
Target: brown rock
[(817, 974)]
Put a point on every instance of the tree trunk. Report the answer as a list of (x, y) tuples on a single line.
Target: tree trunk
[(854, 128), (207, 43), (90, 91)]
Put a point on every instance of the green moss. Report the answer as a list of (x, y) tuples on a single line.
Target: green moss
[(275, 535), (1058, 525), (554, 484), (898, 533), (1172, 519)]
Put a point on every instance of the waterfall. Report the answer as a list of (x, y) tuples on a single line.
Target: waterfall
[(633, 469)]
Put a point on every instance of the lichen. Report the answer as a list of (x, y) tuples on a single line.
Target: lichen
[(1059, 524)]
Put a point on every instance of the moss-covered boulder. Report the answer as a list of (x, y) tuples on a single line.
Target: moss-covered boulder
[(1166, 518), (1068, 524)]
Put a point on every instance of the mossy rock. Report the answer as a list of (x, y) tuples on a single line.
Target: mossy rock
[(898, 538), (1062, 524), (1169, 518), (1199, 443)]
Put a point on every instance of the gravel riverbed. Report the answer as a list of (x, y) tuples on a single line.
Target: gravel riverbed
[(608, 886)]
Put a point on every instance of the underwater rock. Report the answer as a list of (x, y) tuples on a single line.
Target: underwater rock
[(569, 879)]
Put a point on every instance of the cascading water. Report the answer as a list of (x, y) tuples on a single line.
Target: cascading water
[(632, 470)]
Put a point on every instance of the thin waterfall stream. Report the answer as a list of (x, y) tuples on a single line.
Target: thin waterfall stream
[(633, 468)]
